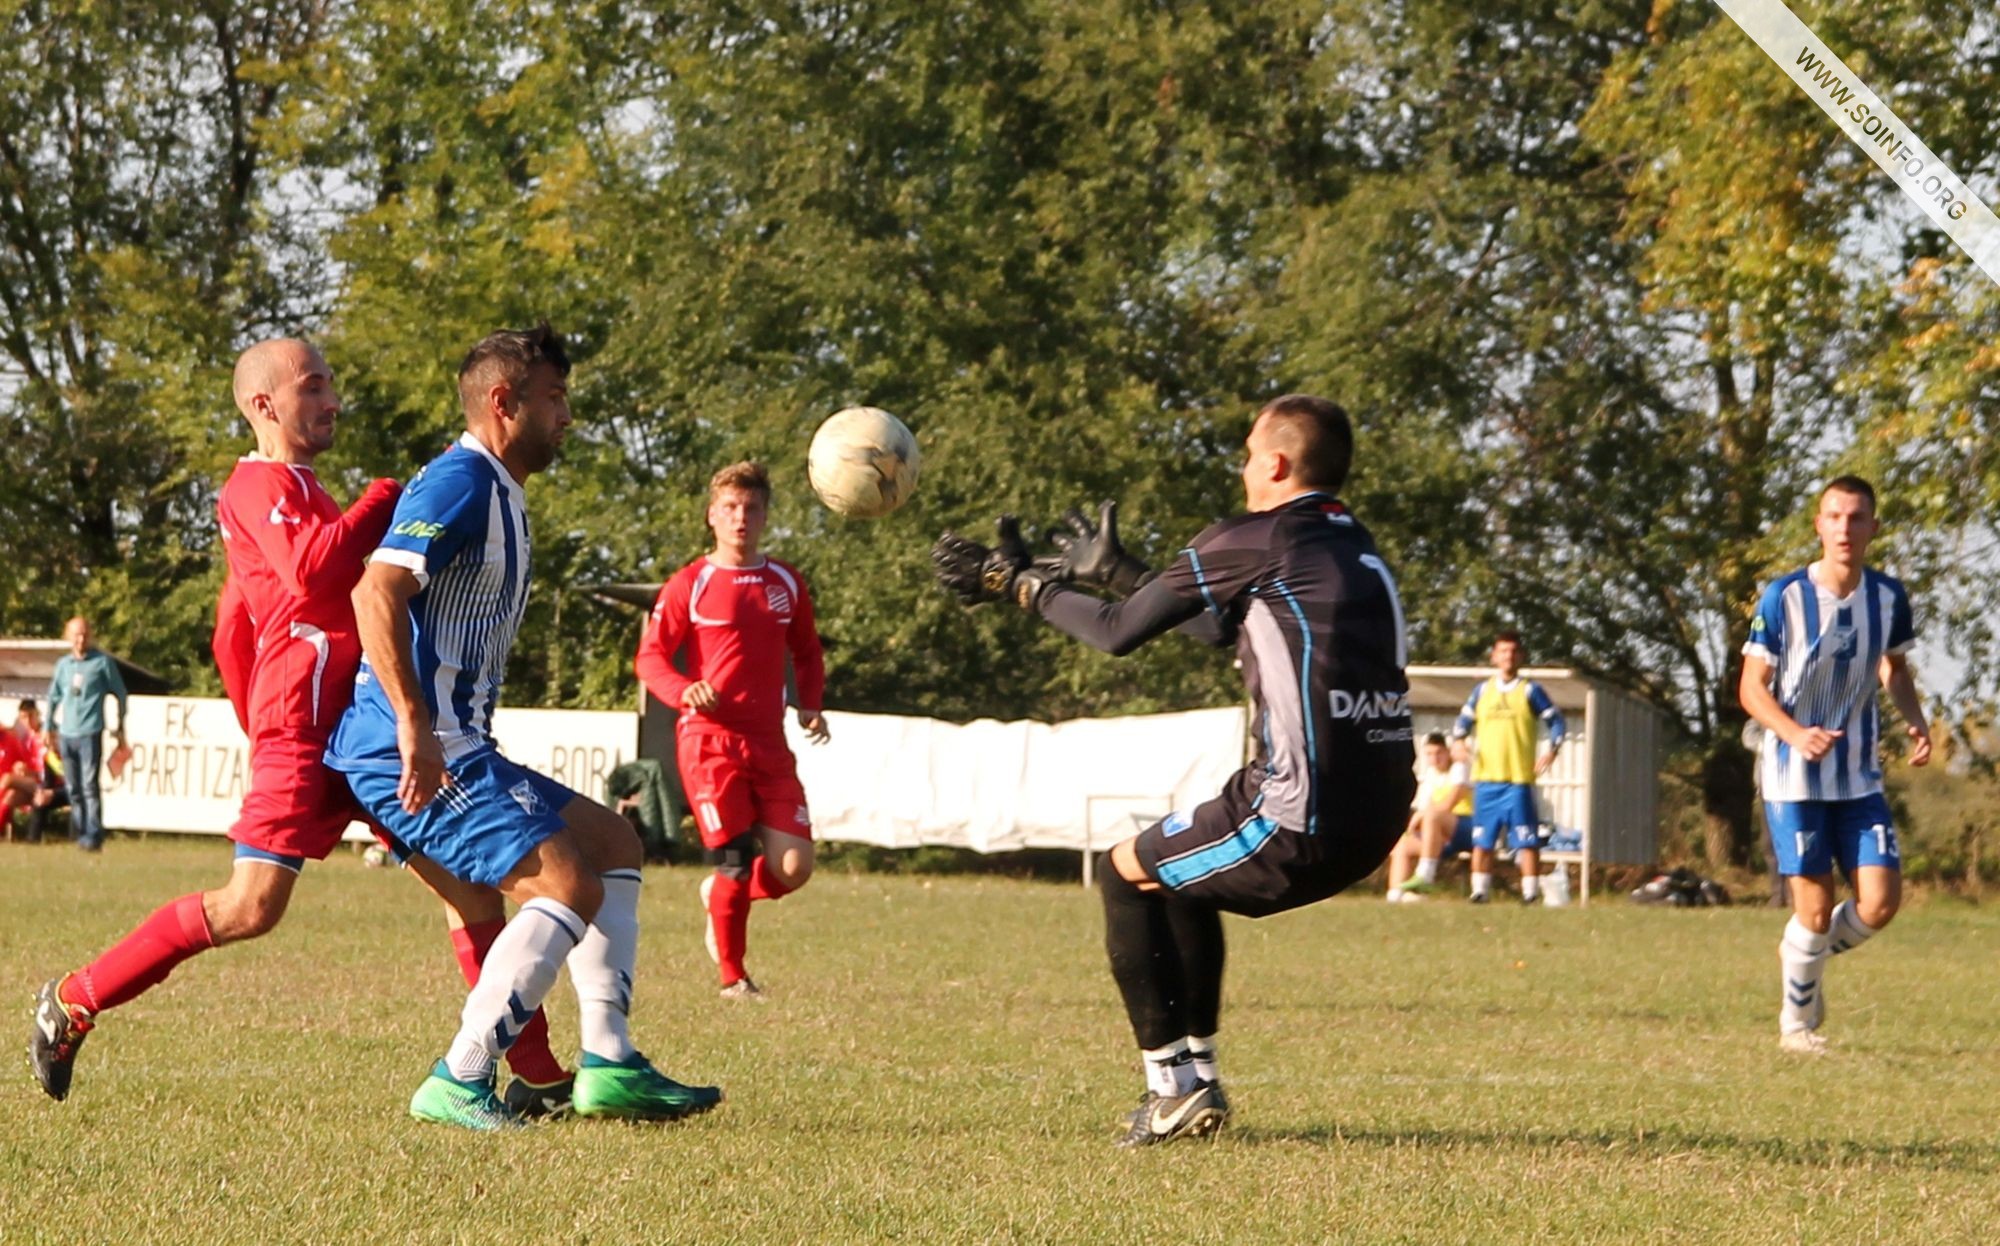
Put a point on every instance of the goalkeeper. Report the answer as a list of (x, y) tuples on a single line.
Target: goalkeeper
[(1299, 588)]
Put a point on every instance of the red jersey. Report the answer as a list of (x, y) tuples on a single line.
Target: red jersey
[(285, 611), (234, 645), (12, 750), (735, 625)]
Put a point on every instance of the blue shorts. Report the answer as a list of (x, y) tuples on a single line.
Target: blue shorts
[(1506, 807), (1809, 836), (1461, 838), (283, 860), (478, 828)]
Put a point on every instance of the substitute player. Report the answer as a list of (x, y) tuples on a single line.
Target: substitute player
[(1501, 716), (437, 610), (293, 558), (1820, 641), (736, 615), (1299, 587), (1440, 820)]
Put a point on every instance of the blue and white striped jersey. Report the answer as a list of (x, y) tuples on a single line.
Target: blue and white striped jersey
[(462, 529), (1825, 654)]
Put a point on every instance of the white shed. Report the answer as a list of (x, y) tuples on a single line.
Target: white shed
[(1605, 782)]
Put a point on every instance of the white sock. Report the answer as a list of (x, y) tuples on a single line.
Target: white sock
[(1169, 1069), (1427, 869), (1482, 884), (1202, 1049), (1847, 931), (519, 969), (1802, 954), (1531, 885), (601, 969)]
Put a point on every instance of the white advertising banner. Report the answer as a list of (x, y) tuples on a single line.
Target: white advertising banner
[(190, 762), (889, 781), (998, 786)]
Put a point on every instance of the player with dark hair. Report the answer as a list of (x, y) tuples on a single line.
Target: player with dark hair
[(1503, 717), (1299, 587), (438, 608), (736, 614), (1822, 639), (286, 648)]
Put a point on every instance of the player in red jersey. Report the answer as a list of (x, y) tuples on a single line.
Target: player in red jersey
[(735, 615), (286, 646)]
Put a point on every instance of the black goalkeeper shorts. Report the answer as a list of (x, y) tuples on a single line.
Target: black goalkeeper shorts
[(1226, 855)]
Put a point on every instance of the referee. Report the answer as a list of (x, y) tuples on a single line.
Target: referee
[(1300, 589)]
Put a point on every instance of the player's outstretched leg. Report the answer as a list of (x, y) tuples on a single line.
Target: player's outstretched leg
[(59, 1030), (67, 1008), (613, 1079)]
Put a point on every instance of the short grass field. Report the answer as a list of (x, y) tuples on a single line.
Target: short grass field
[(944, 1060)]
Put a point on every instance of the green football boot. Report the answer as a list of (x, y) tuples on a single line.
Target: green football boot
[(445, 1100), (633, 1089)]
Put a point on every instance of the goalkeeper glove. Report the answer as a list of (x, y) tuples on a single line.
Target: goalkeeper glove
[(974, 573), (1092, 555)]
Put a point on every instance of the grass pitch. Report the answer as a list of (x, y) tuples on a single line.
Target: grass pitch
[(944, 1060)]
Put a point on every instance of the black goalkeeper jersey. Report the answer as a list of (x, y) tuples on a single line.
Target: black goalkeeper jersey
[(1312, 609)]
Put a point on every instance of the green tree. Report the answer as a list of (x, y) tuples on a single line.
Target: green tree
[(137, 249), (1615, 261)]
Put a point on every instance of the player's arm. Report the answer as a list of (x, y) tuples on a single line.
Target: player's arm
[(1902, 686), (1116, 627), (436, 517), (1468, 716), (1552, 718), (382, 618), (234, 644), (1091, 554), (1760, 661), (666, 632), (55, 700), (808, 667), (300, 546), (1753, 691), (974, 573), (117, 689)]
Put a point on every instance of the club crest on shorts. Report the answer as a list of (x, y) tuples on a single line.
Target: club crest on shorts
[(528, 798)]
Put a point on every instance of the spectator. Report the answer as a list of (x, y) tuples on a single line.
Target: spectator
[(33, 755), (17, 786), (1503, 716), (84, 677), (1440, 819)]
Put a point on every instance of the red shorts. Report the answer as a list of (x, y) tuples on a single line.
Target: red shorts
[(734, 782), (296, 807)]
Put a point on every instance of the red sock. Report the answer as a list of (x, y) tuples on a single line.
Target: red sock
[(764, 885), (729, 905), (529, 1057), (143, 959)]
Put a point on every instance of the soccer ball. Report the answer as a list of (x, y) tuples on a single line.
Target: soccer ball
[(863, 462)]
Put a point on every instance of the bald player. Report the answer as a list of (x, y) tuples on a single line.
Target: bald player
[(285, 642)]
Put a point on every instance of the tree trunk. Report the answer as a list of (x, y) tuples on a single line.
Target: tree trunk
[(1728, 786)]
